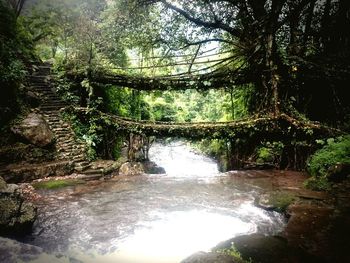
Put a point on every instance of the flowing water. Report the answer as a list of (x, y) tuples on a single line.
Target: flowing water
[(152, 218)]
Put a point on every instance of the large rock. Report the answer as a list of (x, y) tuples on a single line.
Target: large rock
[(153, 168), (131, 168), (21, 152), (12, 251), (35, 130), (269, 249), (17, 215), (275, 201), (21, 173)]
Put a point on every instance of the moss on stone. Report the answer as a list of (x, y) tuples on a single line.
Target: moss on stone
[(55, 184)]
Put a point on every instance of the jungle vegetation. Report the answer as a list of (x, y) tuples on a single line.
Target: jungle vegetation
[(188, 61)]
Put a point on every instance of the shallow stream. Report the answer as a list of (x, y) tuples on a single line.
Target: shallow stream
[(152, 218)]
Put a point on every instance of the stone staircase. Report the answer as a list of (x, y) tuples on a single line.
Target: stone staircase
[(67, 146)]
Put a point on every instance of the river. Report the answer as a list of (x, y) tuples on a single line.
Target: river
[(151, 218)]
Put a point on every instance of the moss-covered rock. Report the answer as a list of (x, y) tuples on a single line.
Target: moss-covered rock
[(55, 184), (17, 215), (275, 201), (265, 249)]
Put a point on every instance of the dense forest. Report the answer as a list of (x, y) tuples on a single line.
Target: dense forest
[(147, 130), (188, 62)]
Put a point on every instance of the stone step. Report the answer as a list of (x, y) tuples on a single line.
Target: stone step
[(54, 107), (52, 113), (82, 167), (63, 131), (38, 77), (42, 71), (82, 163), (77, 160), (52, 116), (53, 102), (60, 128), (63, 137), (50, 104), (70, 147), (53, 98), (79, 157), (67, 147), (67, 142), (67, 150), (41, 87), (54, 122), (47, 91), (69, 139), (39, 84), (80, 147), (51, 108)]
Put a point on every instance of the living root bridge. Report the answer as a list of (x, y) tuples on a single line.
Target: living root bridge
[(267, 127), (204, 82)]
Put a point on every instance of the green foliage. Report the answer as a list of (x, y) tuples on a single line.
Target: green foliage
[(56, 184), (213, 147), (86, 132), (281, 200), (66, 89), (334, 151), (270, 152), (318, 183), (190, 106), (234, 253), (15, 51)]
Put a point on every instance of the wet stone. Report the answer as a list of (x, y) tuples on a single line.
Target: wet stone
[(17, 215), (265, 249)]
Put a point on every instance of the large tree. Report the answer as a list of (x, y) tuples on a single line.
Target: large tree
[(281, 42)]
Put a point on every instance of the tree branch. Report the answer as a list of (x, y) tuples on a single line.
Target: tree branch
[(215, 25)]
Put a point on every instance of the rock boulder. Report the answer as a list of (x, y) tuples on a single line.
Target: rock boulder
[(269, 249), (17, 215), (12, 251), (131, 168), (35, 130)]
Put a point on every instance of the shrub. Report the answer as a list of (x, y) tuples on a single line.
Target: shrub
[(334, 152)]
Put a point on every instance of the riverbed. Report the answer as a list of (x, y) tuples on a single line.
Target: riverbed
[(153, 218)]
